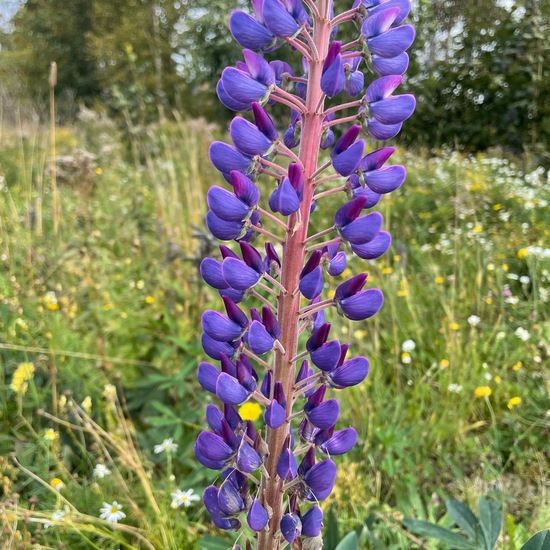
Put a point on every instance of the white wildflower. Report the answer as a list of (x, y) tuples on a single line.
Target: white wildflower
[(522, 334), (474, 320), (112, 512), (408, 346), (167, 445), (455, 388), (101, 471), (185, 498)]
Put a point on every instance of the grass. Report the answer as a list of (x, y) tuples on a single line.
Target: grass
[(115, 298)]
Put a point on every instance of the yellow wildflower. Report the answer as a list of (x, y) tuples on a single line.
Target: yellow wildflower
[(513, 402), (523, 253), (149, 300), (454, 326), (490, 267), (50, 435), (331, 293), (57, 484), (50, 301), (387, 271), (497, 379), (444, 363), (517, 366), (439, 280), (23, 373), (108, 307), (406, 358), (478, 228), (396, 258), (402, 292), (488, 300), (497, 207), (87, 405), (505, 268), (250, 411), (99, 171), (482, 391), (360, 334), (347, 273)]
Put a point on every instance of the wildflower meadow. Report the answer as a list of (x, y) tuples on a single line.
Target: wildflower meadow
[(289, 327)]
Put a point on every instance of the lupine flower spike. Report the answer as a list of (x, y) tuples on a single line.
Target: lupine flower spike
[(270, 345)]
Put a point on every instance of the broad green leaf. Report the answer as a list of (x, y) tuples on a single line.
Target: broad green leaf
[(208, 542), (426, 529), (464, 518), (349, 542), (540, 541), (330, 539), (490, 517)]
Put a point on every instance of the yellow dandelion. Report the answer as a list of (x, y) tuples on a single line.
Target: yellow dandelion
[(497, 379), (360, 334), (387, 271), (444, 363), (478, 228), (57, 484), (454, 326), (99, 171), (482, 391), (514, 402), (149, 300), (396, 258), (523, 253), (497, 207), (517, 366), (505, 268), (331, 293), (50, 435), (23, 373), (250, 411), (488, 300), (439, 280)]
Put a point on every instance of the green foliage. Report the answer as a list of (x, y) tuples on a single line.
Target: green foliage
[(540, 541)]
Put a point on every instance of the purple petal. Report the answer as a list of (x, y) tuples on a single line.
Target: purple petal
[(248, 32), (349, 212), (380, 131), (360, 231), (382, 88), (278, 20), (241, 87), (346, 141), (238, 275), (245, 189), (387, 179), (211, 271), (287, 466), (226, 205), (351, 286), (379, 23), (291, 527), (312, 522), (311, 284), (207, 375), (257, 517), (263, 121), (275, 415), (326, 357), (393, 42), (376, 159), (247, 137), (247, 459), (347, 162), (259, 340), (230, 391), (404, 7), (223, 230), (228, 101), (226, 158), (210, 499), (355, 83), (337, 265), (220, 327), (333, 80), (212, 451), (214, 417), (214, 349), (320, 479), (394, 65), (362, 305), (351, 373), (229, 500), (325, 415), (340, 443), (288, 201), (259, 68), (375, 248), (393, 110)]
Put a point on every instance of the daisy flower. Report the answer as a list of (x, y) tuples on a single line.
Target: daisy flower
[(112, 512), (101, 471), (185, 498), (167, 445)]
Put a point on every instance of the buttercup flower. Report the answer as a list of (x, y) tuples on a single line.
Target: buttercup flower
[(482, 391), (51, 435)]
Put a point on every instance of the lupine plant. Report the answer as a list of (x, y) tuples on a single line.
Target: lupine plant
[(278, 354)]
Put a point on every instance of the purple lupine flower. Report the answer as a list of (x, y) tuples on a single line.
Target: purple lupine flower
[(255, 355)]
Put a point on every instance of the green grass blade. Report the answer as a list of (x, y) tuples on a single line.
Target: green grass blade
[(426, 529)]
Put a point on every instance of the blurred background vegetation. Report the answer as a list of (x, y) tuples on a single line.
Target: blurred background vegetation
[(101, 234)]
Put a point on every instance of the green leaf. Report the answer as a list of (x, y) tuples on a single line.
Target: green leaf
[(464, 518), (540, 541), (331, 531), (208, 542), (426, 529), (490, 517), (349, 542)]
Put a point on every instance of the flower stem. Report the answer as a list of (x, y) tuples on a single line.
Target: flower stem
[(336, 121), (356, 103), (322, 245), (330, 192), (320, 234)]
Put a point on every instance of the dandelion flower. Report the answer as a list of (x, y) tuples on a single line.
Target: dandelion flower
[(250, 411), (517, 366), (167, 446), (439, 280), (523, 253), (57, 484), (112, 512), (444, 363), (514, 402), (23, 373), (185, 498), (101, 471), (149, 300), (408, 346), (482, 391), (454, 326)]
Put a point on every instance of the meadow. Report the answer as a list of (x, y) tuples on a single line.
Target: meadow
[(100, 304)]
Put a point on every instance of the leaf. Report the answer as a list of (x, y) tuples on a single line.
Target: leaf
[(349, 542), (208, 542), (426, 529), (464, 518), (540, 541), (490, 517), (331, 530)]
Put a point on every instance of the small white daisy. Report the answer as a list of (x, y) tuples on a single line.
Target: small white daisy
[(57, 515), (524, 280), (474, 320), (455, 388), (112, 512), (408, 345), (101, 471), (522, 334), (167, 445), (185, 498)]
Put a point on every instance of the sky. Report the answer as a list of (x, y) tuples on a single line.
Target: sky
[(7, 9)]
